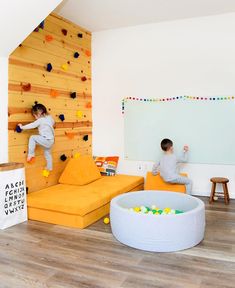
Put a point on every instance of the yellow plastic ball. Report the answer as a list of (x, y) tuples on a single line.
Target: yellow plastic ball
[(137, 209), (167, 210), (106, 220)]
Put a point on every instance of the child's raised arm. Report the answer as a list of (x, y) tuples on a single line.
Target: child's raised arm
[(32, 125), (184, 156)]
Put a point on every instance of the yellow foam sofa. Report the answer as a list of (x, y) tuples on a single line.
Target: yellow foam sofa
[(82, 195)]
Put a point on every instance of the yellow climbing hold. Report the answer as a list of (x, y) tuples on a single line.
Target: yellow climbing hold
[(77, 155), (79, 114), (64, 67), (45, 173)]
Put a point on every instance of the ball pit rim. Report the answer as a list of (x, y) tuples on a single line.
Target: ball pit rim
[(125, 210)]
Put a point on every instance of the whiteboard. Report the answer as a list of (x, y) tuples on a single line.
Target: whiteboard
[(206, 126)]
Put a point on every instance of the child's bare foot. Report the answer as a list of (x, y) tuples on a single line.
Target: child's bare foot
[(30, 159)]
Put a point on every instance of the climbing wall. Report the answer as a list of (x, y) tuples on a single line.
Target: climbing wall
[(52, 66)]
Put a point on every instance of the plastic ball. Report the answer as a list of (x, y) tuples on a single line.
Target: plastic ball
[(106, 220), (178, 211), (143, 209), (167, 210), (137, 209)]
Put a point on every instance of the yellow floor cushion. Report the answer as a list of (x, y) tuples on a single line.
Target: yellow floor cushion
[(81, 200), (157, 183)]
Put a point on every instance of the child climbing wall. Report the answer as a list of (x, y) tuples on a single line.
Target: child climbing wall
[(52, 67)]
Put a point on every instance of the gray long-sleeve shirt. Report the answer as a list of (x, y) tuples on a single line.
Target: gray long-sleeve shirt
[(44, 125), (167, 166)]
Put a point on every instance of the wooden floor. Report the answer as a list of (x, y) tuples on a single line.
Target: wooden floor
[(35, 254)]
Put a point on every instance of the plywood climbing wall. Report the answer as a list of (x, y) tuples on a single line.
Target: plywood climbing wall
[(66, 47)]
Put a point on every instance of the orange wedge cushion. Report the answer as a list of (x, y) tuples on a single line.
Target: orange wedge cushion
[(80, 171)]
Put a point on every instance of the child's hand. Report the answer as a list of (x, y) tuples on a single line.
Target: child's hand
[(20, 125), (186, 148)]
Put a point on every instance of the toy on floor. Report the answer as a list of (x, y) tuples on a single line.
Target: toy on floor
[(153, 210), (106, 220)]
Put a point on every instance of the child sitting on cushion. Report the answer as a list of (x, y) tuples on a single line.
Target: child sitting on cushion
[(167, 166)]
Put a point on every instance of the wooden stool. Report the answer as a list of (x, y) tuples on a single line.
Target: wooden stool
[(222, 181)]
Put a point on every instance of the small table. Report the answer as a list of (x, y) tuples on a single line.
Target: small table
[(223, 181)]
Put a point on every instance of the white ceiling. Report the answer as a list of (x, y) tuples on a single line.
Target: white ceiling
[(96, 15)]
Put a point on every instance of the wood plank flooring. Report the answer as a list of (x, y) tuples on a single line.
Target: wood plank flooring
[(35, 254)]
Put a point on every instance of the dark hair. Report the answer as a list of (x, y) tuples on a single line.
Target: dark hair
[(166, 144), (38, 109)]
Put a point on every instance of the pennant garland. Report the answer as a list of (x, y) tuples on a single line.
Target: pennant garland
[(176, 98)]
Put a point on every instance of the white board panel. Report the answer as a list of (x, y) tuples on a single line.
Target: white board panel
[(207, 126)]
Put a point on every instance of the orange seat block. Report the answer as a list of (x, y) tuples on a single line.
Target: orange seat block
[(157, 183)]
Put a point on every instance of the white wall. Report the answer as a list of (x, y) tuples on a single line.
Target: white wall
[(186, 57), (19, 18), (3, 109)]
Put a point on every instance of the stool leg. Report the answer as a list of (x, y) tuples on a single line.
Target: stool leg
[(227, 191), (212, 193), (226, 196)]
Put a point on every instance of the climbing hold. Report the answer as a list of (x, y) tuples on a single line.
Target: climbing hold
[(64, 32), (49, 67), (85, 137), (48, 38), (77, 155), (40, 26), (88, 105), (83, 78), (80, 35), (54, 93), (88, 53), (45, 173), (18, 129), (63, 157), (70, 135), (27, 190), (26, 87), (79, 114), (76, 55), (64, 67), (73, 95), (61, 117)]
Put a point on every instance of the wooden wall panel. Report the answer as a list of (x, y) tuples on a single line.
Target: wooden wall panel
[(27, 64)]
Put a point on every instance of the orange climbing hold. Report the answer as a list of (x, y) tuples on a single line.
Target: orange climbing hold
[(70, 135), (88, 53), (54, 93), (48, 38)]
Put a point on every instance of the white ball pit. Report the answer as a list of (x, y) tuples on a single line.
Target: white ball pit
[(158, 233)]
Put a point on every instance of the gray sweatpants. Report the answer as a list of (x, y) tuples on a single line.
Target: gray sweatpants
[(183, 180), (45, 144)]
